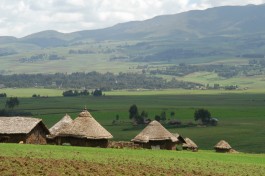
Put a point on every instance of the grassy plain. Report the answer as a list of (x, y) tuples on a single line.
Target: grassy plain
[(66, 160), (28, 92), (241, 116)]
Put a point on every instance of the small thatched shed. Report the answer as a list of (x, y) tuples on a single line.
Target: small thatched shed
[(26, 129), (155, 136), (58, 127), (189, 145), (84, 131), (222, 146)]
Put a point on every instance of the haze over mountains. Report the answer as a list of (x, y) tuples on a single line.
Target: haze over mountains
[(220, 32), (227, 21)]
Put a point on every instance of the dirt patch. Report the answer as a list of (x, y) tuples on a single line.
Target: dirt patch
[(57, 167)]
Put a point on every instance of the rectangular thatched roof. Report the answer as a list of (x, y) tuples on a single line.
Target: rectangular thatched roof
[(17, 125)]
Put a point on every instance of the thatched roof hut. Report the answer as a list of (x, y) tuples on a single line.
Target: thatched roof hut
[(62, 124), (154, 135), (222, 146), (189, 145), (26, 129), (84, 131)]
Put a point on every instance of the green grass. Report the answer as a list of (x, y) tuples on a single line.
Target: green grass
[(28, 92), (32, 159), (241, 116)]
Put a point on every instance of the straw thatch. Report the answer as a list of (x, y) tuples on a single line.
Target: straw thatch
[(85, 126), (18, 125), (23, 129), (181, 140), (154, 131), (189, 144), (223, 145), (62, 124)]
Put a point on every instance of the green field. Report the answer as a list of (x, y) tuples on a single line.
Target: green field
[(241, 116), (28, 92), (18, 159)]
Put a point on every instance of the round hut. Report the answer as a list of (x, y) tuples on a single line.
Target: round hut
[(58, 127), (62, 124), (155, 136), (189, 145), (222, 146), (84, 131)]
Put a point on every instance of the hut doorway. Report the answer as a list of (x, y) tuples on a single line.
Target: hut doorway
[(155, 147)]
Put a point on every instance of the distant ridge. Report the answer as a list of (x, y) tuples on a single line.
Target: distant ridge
[(218, 21)]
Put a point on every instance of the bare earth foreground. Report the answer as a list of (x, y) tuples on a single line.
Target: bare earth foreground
[(66, 160)]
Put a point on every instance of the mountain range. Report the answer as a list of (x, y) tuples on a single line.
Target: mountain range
[(226, 21), (227, 31)]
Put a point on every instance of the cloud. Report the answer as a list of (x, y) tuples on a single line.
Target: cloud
[(23, 17)]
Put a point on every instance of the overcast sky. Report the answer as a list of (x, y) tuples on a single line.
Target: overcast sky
[(22, 17)]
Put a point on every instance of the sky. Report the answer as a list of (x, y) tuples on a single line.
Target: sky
[(23, 17)]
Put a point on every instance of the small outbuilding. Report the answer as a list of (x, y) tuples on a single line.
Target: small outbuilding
[(23, 130), (189, 145), (155, 136), (84, 131), (223, 147), (58, 127)]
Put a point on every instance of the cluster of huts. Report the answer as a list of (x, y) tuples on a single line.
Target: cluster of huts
[(86, 131)]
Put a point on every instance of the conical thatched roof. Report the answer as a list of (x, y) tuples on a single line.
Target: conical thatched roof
[(85, 126), (189, 143), (19, 125), (62, 124), (154, 131), (222, 145)]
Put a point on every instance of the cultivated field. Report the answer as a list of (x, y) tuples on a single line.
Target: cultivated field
[(241, 116), (18, 159)]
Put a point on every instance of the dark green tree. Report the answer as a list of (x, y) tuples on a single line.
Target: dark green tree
[(157, 118), (117, 117), (3, 95), (97, 92), (12, 102), (140, 119), (202, 114), (133, 112), (172, 114), (163, 116)]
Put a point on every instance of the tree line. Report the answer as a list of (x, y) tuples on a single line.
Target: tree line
[(255, 67), (202, 115), (74, 93), (93, 80)]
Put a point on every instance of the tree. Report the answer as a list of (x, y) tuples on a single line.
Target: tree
[(172, 114), (97, 92), (133, 112), (142, 117), (3, 95), (12, 102), (202, 114), (157, 118), (163, 116), (117, 117)]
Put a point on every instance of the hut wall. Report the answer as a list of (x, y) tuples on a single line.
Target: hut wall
[(222, 150), (164, 145), (12, 138), (37, 135), (82, 142)]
